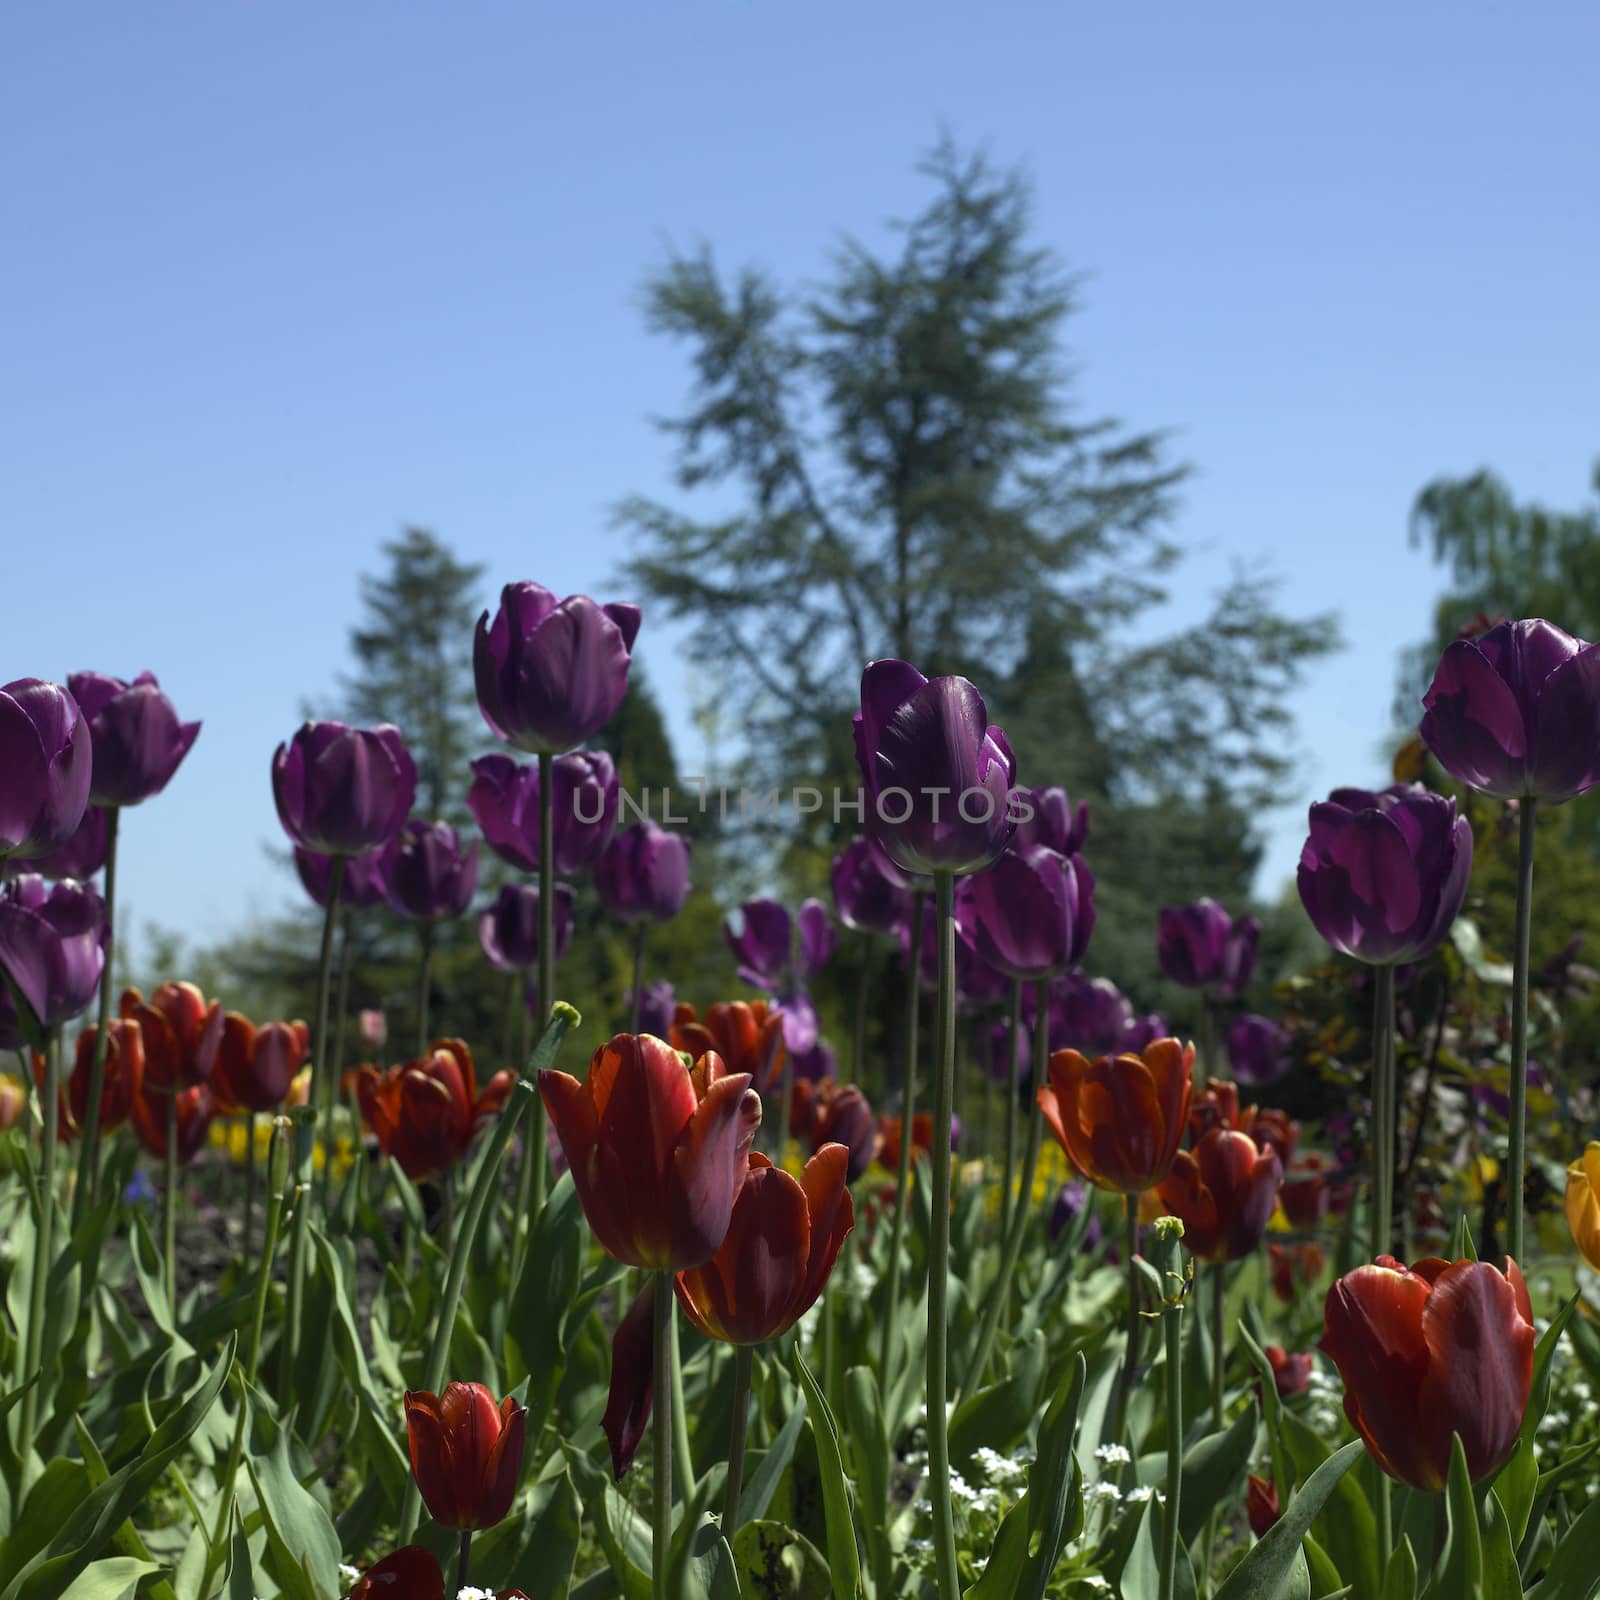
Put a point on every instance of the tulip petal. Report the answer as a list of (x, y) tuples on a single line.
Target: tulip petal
[(1473, 723), (627, 1412), (1566, 742), (709, 1168)]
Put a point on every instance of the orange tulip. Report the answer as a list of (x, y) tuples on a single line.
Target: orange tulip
[(426, 1113), (1217, 1106), (124, 1072), (1428, 1351), (1224, 1191), (1121, 1118), (657, 1150), (748, 1037), (255, 1066), (182, 1034)]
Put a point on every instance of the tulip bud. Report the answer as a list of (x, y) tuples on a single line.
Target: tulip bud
[(138, 740), (1261, 1505), (466, 1453), (46, 756)]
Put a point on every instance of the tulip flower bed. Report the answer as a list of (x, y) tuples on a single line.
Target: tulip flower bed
[(695, 1317)]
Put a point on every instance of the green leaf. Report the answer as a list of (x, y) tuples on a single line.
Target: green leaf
[(1460, 1568), (1347, 1528), (1054, 1498), (1544, 1354), (1000, 1415), (843, 1560), (109, 1579), (300, 1532), (1213, 1472), (1462, 1246), (241, 1574), (1515, 1487), (1321, 1574), (1501, 1578), (761, 1483), (537, 1322), (1400, 1577), (1265, 1572), (773, 1562), (102, 1511), (1572, 1572), (624, 1535)]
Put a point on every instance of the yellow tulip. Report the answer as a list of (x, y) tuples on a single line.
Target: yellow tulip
[(1583, 1203)]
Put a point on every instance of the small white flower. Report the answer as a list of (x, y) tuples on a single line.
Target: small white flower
[(348, 1574), (1138, 1496), (1102, 1493), (472, 1593), (1113, 1455)]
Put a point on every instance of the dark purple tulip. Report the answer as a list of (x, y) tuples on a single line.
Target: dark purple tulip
[(1383, 875), (1054, 823), (816, 1063), (52, 945), (990, 1046), (551, 673), (360, 885), (45, 766), (847, 1119), (1202, 947), (1091, 1016), (1516, 712), (644, 872), (800, 1025), (138, 740), (1258, 1050), (1032, 912), (343, 791), (656, 1008), (504, 798), (1145, 1030), (1072, 1199), (937, 776), (426, 874), (818, 936), (83, 855), (762, 946), (508, 930), (977, 983), (870, 893)]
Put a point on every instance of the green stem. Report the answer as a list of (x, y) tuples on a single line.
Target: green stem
[(858, 1032), (661, 1424), (639, 933), (743, 1360), (38, 1277), (908, 1100), (996, 1306), (485, 1185), (424, 986), (944, 1531), (341, 1007), (531, 1179), (88, 1190), (682, 1456), (1218, 1273), (1173, 1327), (169, 1199), (1013, 1085), (1516, 1162), (462, 1558), (324, 1081), (1130, 1359), (1383, 1110), (249, 1181), (305, 1138)]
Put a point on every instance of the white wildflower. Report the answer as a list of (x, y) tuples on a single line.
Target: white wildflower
[(1113, 1455)]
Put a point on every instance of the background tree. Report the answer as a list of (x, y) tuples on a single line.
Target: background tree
[(898, 469)]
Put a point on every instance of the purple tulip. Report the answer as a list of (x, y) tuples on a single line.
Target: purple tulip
[(138, 740), (360, 885), (816, 1063), (1144, 1030), (508, 930), (937, 776), (644, 872), (1032, 912), (551, 673), (818, 936), (659, 1001), (1202, 947), (847, 1119), (504, 798), (977, 983), (45, 766), (870, 893), (1382, 876), (1258, 1050), (52, 945), (1091, 1016), (1517, 712), (1054, 822), (1069, 1203), (990, 1046), (343, 791), (763, 945), (1495, 1100), (83, 855), (426, 874)]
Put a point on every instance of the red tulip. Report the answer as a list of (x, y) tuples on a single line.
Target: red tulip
[(1428, 1351), (410, 1573), (1217, 1106), (182, 1034), (1224, 1191), (148, 1116), (889, 1139), (1289, 1262), (1261, 1505), (748, 1037), (657, 1151), (124, 1071), (1291, 1374), (1120, 1118), (426, 1112), (466, 1453), (781, 1244), (826, 1113), (255, 1066)]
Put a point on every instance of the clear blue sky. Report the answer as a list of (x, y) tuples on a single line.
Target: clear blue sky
[(279, 279)]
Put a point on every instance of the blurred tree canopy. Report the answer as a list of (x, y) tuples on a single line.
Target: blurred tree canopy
[(896, 466)]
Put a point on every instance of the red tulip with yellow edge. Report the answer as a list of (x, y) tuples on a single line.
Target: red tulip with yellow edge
[(1224, 1190), (747, 1035), (1120, 1119), (656, 1150), (1583, 1203), (466, 1453), (1428, 1351)]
